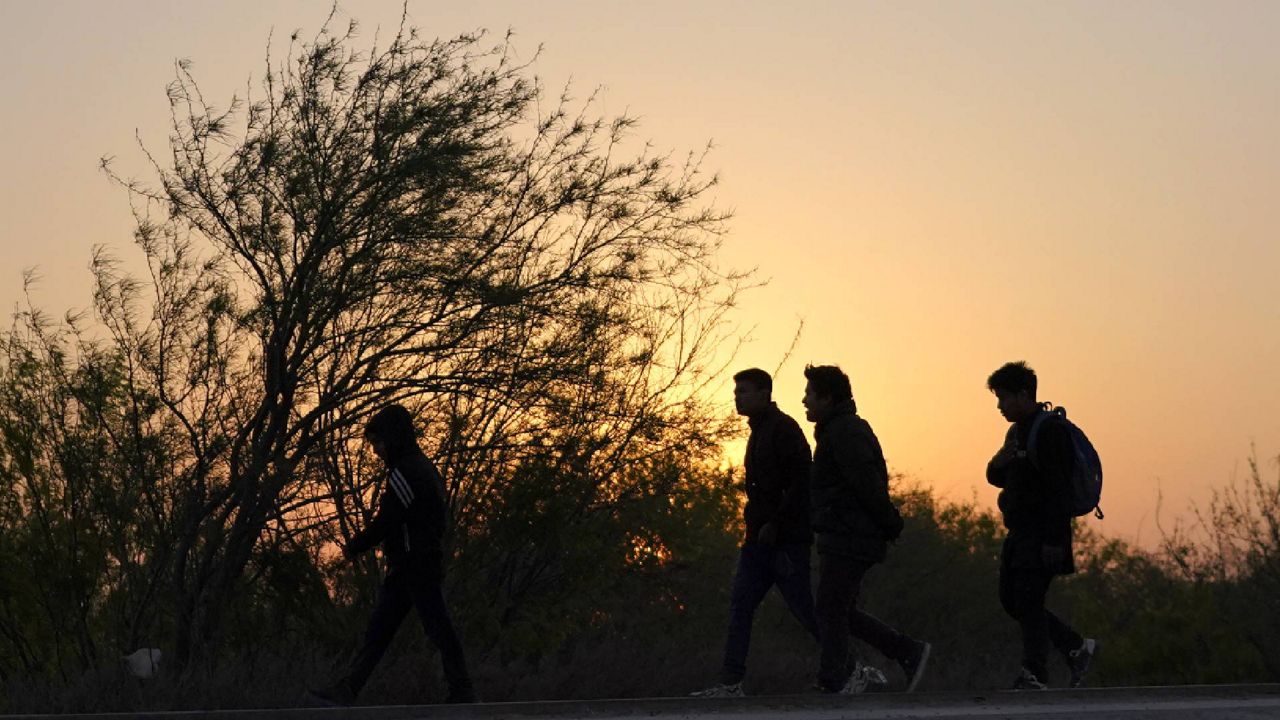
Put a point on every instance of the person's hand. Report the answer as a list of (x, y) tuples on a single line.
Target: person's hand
[(1008, 452), (1004, 458), (768, 535)]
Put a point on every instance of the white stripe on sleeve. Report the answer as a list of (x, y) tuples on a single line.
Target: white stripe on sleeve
[(402, 487), (395, 486)]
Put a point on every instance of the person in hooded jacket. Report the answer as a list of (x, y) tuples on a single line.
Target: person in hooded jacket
[(853, 521), (409, 525)]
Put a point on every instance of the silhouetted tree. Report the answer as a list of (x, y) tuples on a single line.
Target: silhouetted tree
[(83, 530), (411, 225)]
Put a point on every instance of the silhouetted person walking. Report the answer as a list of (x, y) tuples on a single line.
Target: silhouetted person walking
[(775, 549), (1033, 484), (854, 520), (409, 524)]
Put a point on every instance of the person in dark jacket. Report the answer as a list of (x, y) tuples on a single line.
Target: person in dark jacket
[(1033, 503), (409, 524), (854, 520), (776, 544)]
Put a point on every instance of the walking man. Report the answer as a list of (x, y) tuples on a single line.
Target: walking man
[(1033, 489), (409, 524), (775, 548), (854, 520)]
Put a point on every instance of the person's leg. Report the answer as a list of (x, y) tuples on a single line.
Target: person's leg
[(1023, 585), (792, 576), (394, 600), (751, 582), (1027, 590), (1064, 637), (429, 598), (864, 626), (1075, 648), (835, 597)]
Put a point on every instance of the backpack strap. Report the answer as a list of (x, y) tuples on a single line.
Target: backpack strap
[(1047, 412)]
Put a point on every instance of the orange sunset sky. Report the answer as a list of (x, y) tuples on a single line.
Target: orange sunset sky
[(934, 188)]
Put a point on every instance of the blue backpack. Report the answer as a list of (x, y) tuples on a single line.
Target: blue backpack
[(1084, 491)]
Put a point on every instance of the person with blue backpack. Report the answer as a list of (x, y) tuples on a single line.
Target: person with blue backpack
[(1047, 470)]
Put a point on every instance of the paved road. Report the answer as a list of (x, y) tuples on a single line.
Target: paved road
[(1217, 702)]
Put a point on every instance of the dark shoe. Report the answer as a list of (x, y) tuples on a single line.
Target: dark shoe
[(338, 694), (460, 695), (1080, 659), (1027, 680), (914, 665)]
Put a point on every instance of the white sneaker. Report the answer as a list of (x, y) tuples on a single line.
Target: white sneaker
[(863, 677), (1027, 680), (721, 691), (877, 681)]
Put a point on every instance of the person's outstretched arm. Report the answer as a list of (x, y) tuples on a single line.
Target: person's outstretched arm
[(391, 511)]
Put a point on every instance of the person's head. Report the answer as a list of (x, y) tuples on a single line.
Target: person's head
[(752, 391), (1014, 385), (390, 432), (827, 386)]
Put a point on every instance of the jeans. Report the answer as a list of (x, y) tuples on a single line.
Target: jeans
[(759, 569), (400, 591), (839, 581), (1022, 594)]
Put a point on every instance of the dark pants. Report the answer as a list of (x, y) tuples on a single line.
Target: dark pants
[(759, 569), (400, 591), (1023, 587), (839, 580)]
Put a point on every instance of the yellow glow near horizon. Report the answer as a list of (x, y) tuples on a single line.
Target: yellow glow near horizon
[(934, 189)]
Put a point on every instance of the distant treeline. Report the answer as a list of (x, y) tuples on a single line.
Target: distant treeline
[(557, 601)]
